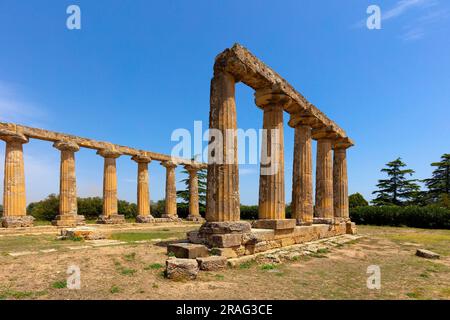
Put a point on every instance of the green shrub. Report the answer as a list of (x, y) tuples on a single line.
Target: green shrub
[(249, 212), (431, 217), (357, 200)]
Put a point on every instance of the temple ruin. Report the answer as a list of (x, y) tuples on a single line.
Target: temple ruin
[(325, 215)]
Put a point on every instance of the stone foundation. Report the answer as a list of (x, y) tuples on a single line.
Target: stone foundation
[(242, 240), (112, 219), (145, 219), (16, 221), (68, 221)]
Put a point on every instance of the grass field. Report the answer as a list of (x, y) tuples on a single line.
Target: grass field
[(133, 270)]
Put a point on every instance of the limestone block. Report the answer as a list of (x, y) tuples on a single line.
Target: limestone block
[(193, 237), (187, 250), (227, 252), (16, 221), (225, 240), (86, 233), (145, 219), (289, 241), (350, 228), (181, 269), (212, 263), (263, 234), (225, 227), (111, 219), (69, 220), (276, 224), (427, 254)]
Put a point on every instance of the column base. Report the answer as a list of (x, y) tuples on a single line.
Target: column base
[(222, 234), (112, 219), (16, 221), (170, 216), (68, 220), (195, 218), (317, 220), (145, 219), (275, 224)]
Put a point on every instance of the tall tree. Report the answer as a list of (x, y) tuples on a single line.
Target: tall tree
[(397, 189), (439, 184), (184, 194)]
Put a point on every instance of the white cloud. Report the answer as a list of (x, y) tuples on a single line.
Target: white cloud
[(403, 6)]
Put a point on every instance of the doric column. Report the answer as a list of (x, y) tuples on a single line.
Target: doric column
[(194, 213), (171, 190), (302, 178), (68, 209), (271, 180), (143, 195), (222, 203), (14, 203), (340, 181), (110, 214), (324, 176)]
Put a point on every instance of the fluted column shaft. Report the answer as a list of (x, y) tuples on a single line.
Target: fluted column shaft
[(194, 212), (14, 200), (302, 178), (222, 202), (143, 193), (340, 184), (324, 180), (171, 190)]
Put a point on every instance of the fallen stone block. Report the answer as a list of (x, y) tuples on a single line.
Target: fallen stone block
[(86, 233), (427, 254), (181, 269), (187, 250), (225, 240), (212, 263)]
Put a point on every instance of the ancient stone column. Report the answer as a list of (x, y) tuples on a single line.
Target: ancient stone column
[(110, 214), (14, 203), (143, 195), (194, 213), (171, 191), (340, 181), (324, 182), (222, 194), (302, 178), (271, 180), (68, 209)]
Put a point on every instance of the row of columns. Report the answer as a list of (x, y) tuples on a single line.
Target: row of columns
[(14, 198), (331, 194)]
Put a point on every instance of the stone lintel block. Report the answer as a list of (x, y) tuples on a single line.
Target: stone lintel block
[(317, 220), (225, 227), (145, 219), (181, 269), (227, 240), (16, 221), (187, 250), (195, 218), (212, 263), (275, 224), (112, 219), (427, 254)]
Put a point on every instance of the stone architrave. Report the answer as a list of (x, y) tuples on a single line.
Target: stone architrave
[(68, 208), (143, 193), (14, 202)]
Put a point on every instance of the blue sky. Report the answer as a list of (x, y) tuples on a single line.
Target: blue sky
[(137, 70)]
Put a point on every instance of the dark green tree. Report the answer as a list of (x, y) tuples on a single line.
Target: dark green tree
[(184, 194), (1, 210), (397, 189), (439, 184), (357, 200)]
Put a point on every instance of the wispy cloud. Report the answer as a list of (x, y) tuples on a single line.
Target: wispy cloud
[(404, 6), (15, 108)]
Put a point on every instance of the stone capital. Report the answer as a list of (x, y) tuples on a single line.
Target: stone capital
[(141, 158), (305, 119), (168, 164), (193, 168), (12, 136), (266, 98), (66, 145), (109, 153), (325, 133), (343, 143)]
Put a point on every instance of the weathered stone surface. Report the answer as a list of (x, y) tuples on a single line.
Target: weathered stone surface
[(212, 263), (340, 183), (111, 219), (171, 190), (69, 220), (350, 227), (275, 224), (226, 252), (195, 218), (317, 220), (181, 269), (225, 240), (324, 179), (187, 250), (193, 237), (427, 254), (225, 227), (143, 193), (86, 233), (145, 219), (16, 221)]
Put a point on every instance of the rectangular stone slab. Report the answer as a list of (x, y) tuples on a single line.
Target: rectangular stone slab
[(187, 250), (275, 224)]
